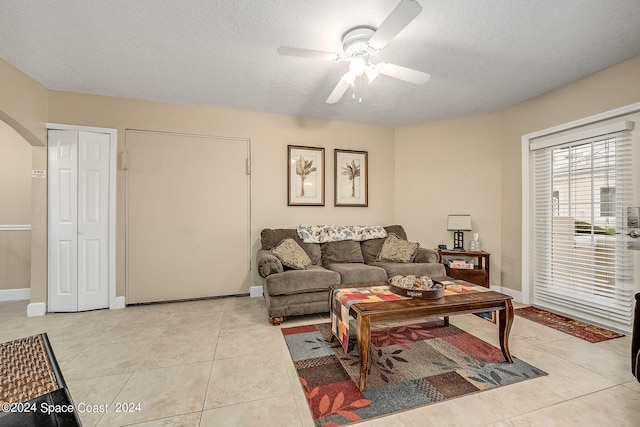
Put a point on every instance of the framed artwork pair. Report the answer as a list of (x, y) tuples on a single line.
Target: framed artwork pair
[(305, 172)]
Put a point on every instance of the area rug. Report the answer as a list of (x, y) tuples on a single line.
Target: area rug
[(412, 365), (573, 327)]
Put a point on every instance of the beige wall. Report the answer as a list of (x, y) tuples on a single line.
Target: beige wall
[(269, 134), (23, 106), (451, 167), (473, 165), (15, 177), (611, 88), (15, 197), (407, 165)]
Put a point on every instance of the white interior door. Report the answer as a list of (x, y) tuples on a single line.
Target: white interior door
[(63, 221), (93, 224), (187, 216), (78, 221)]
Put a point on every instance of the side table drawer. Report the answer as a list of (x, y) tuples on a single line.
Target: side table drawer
[(477, 276)]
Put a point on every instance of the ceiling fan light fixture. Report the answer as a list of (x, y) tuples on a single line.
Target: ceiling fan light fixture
[(358, 66), (371, 71), (349, 78)]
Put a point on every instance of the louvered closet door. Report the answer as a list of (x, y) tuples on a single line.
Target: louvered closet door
[(187, 216)]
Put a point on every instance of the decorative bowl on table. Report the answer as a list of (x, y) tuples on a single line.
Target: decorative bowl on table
[(421, 287)]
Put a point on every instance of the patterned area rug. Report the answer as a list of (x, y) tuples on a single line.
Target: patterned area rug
[(412, 365), (573, 327)]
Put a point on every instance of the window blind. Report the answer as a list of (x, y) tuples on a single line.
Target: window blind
[(580, 190)]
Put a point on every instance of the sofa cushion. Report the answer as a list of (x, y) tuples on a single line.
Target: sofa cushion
[(344, 251), (426, 255), (291, 282), (358, 273), (398, 230), (394, 249), (291, 254), (271, 237), (371, 249), (431, 269)]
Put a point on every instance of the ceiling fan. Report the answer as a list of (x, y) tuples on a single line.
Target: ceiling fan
[(362, 43)]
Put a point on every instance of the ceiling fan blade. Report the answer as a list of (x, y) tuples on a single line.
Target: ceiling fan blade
[(404, 73), (399, 18), (308, 53), (338, 91)]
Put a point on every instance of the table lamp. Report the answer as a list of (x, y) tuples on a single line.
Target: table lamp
[(458, 224)]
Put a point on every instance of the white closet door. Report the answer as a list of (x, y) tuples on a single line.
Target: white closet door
[(93, 220), (78, 220), (187, 217), (63, 221)]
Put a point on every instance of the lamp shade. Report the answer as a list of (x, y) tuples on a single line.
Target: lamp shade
[(459, 223)]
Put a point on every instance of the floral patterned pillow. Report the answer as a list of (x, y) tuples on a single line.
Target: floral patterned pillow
[(291, 254), (394, 249)]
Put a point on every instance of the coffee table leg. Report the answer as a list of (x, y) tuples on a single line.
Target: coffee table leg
[(364, 342), (505, 320), (446, 320)]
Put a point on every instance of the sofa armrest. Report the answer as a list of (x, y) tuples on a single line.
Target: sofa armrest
[(268, 263), (635, 340), (426, 255)]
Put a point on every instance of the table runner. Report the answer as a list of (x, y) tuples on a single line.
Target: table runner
[(342, 300), (458, 286)]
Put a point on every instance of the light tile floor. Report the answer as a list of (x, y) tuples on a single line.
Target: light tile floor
[(219, 363)]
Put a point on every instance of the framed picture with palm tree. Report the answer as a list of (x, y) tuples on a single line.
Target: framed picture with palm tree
[(305, 172), (351, 183)]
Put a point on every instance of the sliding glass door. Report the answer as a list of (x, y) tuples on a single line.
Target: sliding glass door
[(581, 188)]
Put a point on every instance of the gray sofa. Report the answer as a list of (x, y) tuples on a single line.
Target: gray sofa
[(290, 292)]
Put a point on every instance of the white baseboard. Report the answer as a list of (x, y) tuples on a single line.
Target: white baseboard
[(36, 309), (15, 294), (118, 304), (255, 291)]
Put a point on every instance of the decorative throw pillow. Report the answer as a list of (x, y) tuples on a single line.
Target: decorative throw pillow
[(291, 254), (394, 249)]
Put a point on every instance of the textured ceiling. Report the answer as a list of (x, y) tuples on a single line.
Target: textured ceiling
[(482, 55)]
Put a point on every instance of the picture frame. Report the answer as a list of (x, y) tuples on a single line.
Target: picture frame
[(351, 170), (305, 176)]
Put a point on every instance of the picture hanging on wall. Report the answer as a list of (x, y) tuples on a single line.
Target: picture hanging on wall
[(305, 172), (351, 180)]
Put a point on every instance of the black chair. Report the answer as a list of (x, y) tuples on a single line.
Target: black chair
[(635, 341)]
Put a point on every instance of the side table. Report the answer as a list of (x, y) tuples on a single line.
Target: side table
[(478, 275)]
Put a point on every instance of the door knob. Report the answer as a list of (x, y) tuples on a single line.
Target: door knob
[(634, 233)]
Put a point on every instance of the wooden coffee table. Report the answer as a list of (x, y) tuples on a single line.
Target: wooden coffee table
[(475, 302)]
